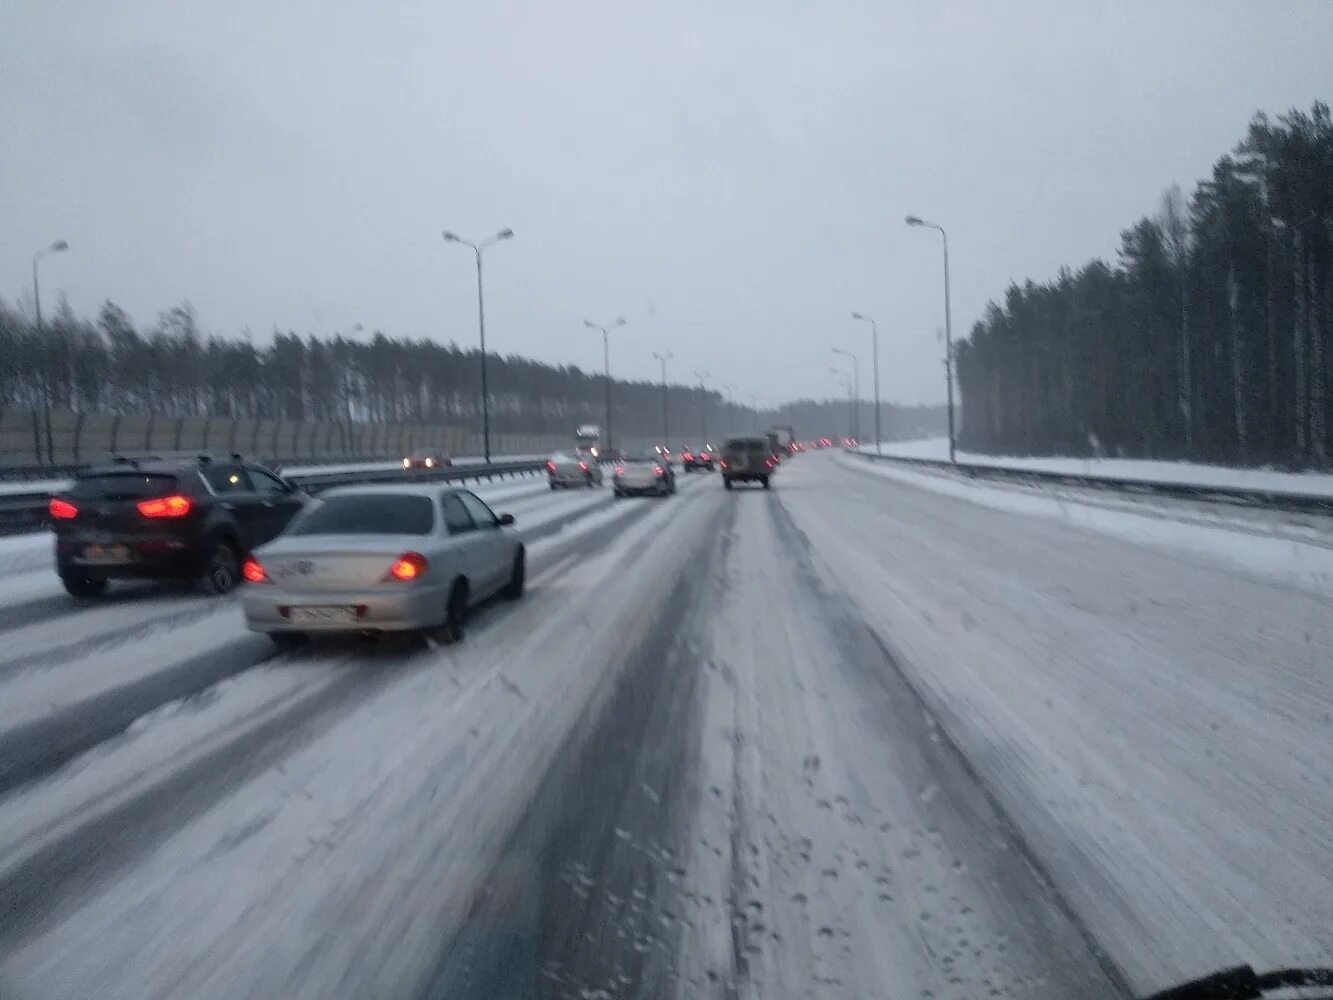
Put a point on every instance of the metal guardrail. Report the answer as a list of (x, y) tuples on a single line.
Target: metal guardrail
[(1304, 503), (46, 473), (20, 512)]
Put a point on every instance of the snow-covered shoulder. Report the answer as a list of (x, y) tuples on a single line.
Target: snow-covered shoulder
[(1143, 470)]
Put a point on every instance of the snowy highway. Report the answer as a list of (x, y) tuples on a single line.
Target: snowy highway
[(853, 737)]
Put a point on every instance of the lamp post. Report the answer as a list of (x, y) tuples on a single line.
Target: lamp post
[(851, 407), (59, 246), (703, 405), (856, 390), (606, 364), (666, 426), (874, 342), (477, 248), (730, 398), (913, 220)]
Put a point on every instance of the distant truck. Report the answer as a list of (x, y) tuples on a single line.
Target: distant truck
[(786, 437), (589, 438)]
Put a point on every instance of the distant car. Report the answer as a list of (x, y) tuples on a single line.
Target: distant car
[(644, 472), (167, 519), (383, 559), (747, 459), (565, 469), (701, 459), (421, 460)]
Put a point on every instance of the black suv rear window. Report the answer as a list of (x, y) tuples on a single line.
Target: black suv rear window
[(123, 486), (367, 514)]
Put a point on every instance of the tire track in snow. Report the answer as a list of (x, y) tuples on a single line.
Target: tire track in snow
[(116, 626), (602, 836), (949, 771), (87, 839), (35, 747), (76, 850)]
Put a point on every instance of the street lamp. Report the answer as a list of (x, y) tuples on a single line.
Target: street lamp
[(703, 404), (477, 248), (729, 391), (913, 220), (851, 408), (59, 246), (606, 363), (666, 427), (856, 390), (874, 340)]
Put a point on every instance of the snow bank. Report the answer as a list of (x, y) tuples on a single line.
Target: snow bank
[(1257, 547), (1318, 483)]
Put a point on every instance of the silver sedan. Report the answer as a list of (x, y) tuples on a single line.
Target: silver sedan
[(382, 559), (565, 469), (644, 472)]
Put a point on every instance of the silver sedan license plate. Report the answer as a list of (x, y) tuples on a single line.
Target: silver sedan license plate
[(323, 615)]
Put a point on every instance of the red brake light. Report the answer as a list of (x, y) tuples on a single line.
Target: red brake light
[(410, 566), (172, 506), (659, 470), (723, 463), (620, 470), (254, 572), (583, 466), (550, 466), (62, 510)]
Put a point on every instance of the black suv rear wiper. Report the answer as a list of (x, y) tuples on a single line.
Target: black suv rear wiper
[(1243, 983)]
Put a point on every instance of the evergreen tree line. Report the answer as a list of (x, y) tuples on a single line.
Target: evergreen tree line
[(1208, 340), (107, 365)]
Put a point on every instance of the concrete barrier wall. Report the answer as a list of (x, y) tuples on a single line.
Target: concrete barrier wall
[(78, 438)]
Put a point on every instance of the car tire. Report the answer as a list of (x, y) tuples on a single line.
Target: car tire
[(590, 484), (726, 484), (455, 614), (286, 642), (513, 590), (222, 569), (82, 586), (765, 482), (554, 485)]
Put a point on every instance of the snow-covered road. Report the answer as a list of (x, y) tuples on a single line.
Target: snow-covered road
[(847, 738)]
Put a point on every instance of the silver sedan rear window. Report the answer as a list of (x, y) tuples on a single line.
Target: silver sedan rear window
[(367, 514)]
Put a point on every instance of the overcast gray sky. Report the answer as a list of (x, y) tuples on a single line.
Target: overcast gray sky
[(729, 176)]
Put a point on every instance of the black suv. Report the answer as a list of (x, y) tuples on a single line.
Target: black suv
[(168, 519)]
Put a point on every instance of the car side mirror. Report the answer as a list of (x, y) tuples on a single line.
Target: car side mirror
[(506, 520)]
